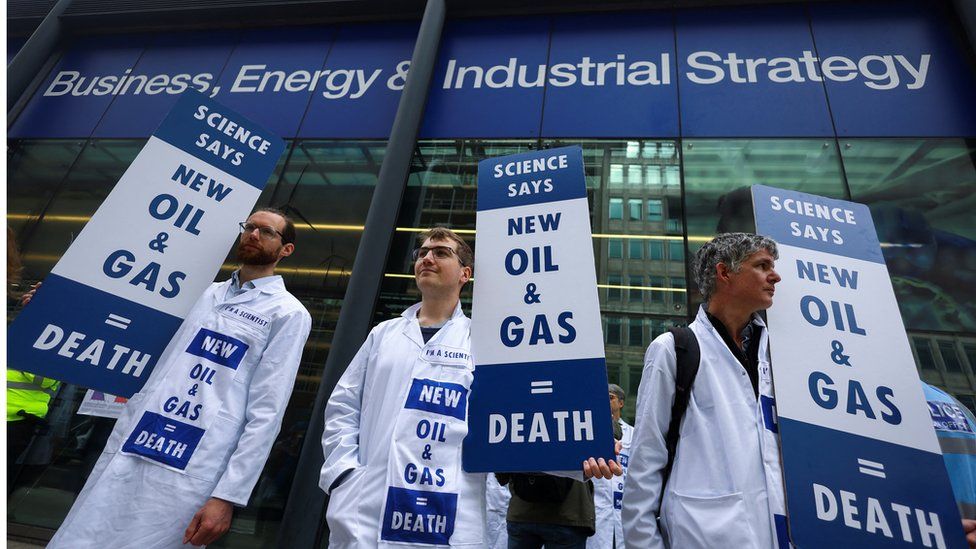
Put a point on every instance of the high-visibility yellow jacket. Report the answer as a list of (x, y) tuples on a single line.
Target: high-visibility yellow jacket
[(28, 392)]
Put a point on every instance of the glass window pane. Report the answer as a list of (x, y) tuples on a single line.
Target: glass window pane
[(613, 330), (636, 336), (676, 250), (655, 249), (655, 209), (634, 207), (950, 357), (616, 208), (635, 249), (636, 294), (613, 294), (615, 248), (924, 351), (920, 192)]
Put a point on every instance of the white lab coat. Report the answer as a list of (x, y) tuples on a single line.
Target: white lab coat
[(136, 500), (619, 482), (360, 423), (496, 527), (726, 484), (606, 499)]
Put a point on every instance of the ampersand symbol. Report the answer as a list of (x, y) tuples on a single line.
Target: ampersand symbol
[(530, 295), (426, 453), (398, 80), (194, 389), (838, 355), (157, 243)]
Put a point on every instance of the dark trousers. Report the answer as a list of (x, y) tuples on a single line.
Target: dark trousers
[(532, 535), (19, 436)]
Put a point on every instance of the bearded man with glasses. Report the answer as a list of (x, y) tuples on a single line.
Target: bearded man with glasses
[(192, 443)]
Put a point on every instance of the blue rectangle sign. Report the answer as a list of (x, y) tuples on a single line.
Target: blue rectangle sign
[(558, 417), (530, 178), (165, 440), (865, 492), (415, 516), (88, 337), (816, 223), (218, 348), (439, 397)]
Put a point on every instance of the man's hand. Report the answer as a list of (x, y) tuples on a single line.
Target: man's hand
[(210, 522), (26, 298), (601, 468), (969, 527)]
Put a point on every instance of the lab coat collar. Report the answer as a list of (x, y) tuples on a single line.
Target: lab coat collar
[(412, 328), (273, 284), (703, 318)]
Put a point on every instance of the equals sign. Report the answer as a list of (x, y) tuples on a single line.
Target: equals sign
[(540, 387), (872, 468), (421, 501), (117, 321), (169, 428)]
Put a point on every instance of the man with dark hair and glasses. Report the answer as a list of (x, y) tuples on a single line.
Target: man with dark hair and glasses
[(191, 445), (395, 421)]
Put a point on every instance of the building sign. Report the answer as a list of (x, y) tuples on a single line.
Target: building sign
[(593, 75), (862, 464), (538, 401), (115, 298)]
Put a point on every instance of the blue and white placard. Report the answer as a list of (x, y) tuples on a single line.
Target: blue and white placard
[(862, 464), (116, 297), (538, 402)]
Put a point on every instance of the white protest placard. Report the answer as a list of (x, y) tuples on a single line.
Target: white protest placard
[(862, 463), (115, 298), (539, 397), (99, 404)]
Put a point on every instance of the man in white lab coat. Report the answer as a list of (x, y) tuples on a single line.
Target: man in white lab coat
[(191, 444), (608, 493), (395, 421), (726, 485)]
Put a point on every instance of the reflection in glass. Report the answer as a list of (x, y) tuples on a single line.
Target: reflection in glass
[(719, 173), (920, 192)]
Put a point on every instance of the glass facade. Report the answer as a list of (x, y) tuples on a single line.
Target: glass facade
[(642, 194)]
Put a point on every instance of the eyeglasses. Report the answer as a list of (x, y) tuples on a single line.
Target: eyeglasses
[(440, 252), (266, 233)]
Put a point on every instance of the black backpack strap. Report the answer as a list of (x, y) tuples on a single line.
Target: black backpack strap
[(688, 357)]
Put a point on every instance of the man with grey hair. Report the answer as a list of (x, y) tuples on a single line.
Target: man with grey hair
[(718, 483)]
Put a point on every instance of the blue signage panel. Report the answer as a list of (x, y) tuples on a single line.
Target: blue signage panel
[(358, 98), (895, 70), (889, 69), (538, 400), (749, 72), (171, 65), (269, 76), (861, 462), (79, 90), (485, 83), (611, 75), (113, 301)]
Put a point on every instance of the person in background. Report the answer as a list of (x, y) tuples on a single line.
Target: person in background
[(28, 395)]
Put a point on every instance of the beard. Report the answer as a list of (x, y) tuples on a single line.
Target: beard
[(256, 256)]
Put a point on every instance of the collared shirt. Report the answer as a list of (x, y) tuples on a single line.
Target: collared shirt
[(235, 288), (748, 355)]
